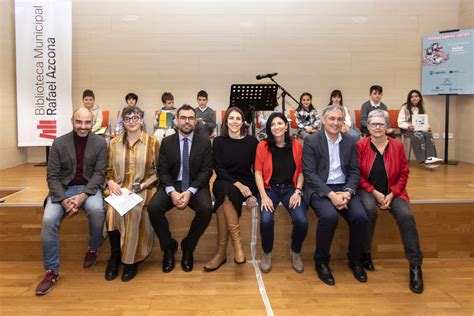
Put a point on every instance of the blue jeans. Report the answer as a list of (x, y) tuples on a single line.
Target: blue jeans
[(299, 218), (53, 214)]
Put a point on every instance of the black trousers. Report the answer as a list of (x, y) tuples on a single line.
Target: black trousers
[(401, 211), (161, 203), (355, 216)]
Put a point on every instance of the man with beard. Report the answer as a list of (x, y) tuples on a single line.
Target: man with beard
[(184, 170), (75, 175)]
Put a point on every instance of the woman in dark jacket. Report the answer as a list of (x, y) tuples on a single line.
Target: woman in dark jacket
[(234, 154)]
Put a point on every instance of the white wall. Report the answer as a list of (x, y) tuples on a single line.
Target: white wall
[(10, 154), (149, 47), (465, 104)]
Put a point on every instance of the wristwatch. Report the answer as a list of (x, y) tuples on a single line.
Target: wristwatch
[(350, 191)]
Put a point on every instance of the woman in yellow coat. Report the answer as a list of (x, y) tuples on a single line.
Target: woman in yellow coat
[(132, 164)]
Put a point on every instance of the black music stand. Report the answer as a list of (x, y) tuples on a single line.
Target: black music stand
[(253, 97)]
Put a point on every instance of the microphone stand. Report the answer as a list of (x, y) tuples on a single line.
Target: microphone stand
[(252, 120), (284, 93)]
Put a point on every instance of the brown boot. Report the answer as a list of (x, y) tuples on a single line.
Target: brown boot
[(234, 230), (222, 239)]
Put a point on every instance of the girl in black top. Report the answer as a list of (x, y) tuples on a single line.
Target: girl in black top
[(234, 155)]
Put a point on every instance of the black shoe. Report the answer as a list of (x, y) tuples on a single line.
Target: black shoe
[(367, 262), (187, 260), (168, 257), (112, 269), (129, 271), (358, 271), (416, 279), (324, 273)]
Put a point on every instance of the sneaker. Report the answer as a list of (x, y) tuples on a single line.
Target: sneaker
[(47, 283), (431, 160), (297, 262), (432, 165), (266, 262), (90, 258)]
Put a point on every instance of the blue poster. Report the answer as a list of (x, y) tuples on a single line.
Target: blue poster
[(448, 63)]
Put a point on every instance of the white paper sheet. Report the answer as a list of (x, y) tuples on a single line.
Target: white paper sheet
[(420, 122), (125, 202)]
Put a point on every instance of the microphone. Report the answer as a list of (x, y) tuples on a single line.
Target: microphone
[(266, 75)]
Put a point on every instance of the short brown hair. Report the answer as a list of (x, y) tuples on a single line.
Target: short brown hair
[(225, 128), (166, 96), (88, 93), (185, 107)]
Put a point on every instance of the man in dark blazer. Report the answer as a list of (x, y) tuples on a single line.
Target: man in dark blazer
[(184, 170), (75, 175), (331, 173)]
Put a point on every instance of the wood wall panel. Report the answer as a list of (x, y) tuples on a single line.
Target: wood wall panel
[(446, 231)]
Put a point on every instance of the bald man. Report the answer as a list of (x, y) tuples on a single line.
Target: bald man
[(75, 175)]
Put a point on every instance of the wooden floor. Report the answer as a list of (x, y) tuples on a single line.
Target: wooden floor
[(442, 198), (233, 290)]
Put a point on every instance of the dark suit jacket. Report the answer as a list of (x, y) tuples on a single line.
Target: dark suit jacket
[(200, 161), (62, 165), (316, 164)]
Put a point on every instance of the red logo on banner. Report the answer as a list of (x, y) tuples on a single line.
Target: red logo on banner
[(47, 129)]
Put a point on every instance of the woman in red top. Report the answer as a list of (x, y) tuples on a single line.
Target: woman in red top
[(279, 178), (383, 180)]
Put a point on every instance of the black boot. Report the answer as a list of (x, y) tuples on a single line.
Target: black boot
[(129, 271), (416, 279), (112, 269)]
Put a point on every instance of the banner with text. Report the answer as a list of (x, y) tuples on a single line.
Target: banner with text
[(43, 70), (448, 63)]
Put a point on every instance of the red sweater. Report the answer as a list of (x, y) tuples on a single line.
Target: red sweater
[(263, 161), (396, 166)]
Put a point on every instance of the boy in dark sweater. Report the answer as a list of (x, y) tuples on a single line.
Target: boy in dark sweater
[(206, 121), (376, 93)]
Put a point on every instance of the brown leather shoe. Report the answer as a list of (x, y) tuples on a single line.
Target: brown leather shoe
[(47, 283), (90, 258)]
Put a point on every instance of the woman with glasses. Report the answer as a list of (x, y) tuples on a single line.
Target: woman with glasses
[(234, 156), (383, 180), (132, 165), (421, 141), (279, 178)]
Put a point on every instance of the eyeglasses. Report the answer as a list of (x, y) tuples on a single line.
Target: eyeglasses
[(187, 118), (377, 125), (133, 119)]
